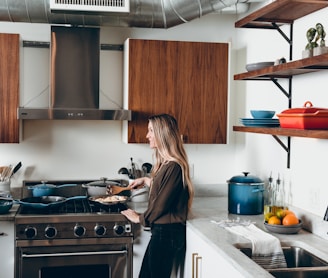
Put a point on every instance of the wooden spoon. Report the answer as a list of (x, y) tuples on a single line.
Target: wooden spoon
[(116, 189)]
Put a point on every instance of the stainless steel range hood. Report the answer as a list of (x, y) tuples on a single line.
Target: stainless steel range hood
[(74, 81)]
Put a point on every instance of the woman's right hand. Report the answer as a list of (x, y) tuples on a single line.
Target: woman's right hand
[(140, 182)]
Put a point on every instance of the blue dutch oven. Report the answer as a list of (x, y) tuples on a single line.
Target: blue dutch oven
[(245, 195)]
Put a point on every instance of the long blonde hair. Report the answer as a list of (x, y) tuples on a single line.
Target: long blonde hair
[(170, 148)]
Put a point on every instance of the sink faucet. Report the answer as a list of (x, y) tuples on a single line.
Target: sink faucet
[(326, 215)]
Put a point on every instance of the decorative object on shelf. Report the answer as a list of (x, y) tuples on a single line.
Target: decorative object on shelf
[(258, 66), (321, 34), (280, 61), (307, 117), (310, 35)]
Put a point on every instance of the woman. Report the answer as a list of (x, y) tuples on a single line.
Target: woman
[(171, 194)]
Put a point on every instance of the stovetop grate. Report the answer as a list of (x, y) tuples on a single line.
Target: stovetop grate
[(72, 206)]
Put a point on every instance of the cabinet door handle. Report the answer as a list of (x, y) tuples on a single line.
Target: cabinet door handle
[(193, 262), (198, 258)]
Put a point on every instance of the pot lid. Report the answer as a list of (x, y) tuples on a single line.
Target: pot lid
[(307, 108), (245, 178), (102, 182)]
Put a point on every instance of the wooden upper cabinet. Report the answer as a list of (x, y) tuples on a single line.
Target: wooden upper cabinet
[(9, 88), (188, 80)]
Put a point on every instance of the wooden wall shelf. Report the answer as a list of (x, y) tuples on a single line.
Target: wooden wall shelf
[(282, 12), (319, 134)]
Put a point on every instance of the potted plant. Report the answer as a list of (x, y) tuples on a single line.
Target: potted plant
[(320, 48), (310, 35)]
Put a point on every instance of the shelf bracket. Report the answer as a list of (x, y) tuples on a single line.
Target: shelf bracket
[(275, 81), (275, 26), (288, 39), (286, 148)]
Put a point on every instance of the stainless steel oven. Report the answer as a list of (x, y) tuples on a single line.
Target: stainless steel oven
[(69, 243)]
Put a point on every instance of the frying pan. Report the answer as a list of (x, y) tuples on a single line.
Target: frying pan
[(46, 201), (119, 200)]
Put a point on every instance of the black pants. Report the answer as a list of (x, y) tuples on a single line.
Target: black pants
[(166, 248)]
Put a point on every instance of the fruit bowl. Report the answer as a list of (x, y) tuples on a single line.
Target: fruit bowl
[(284, 229)]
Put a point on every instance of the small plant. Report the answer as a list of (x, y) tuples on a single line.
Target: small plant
[(310, 34), (321, 34)]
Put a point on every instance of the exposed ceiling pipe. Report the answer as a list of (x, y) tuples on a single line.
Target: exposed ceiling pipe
[(143, 13)]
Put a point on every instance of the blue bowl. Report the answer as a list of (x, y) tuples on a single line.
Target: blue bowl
[(262, 114)]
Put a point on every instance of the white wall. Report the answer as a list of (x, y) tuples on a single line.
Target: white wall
[(92, 149)]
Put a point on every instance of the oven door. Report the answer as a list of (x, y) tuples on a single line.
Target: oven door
[(75, 261)]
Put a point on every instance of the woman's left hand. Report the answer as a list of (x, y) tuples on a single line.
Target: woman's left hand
[(131, 215)]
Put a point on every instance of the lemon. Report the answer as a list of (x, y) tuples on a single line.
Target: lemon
[(267, 216)]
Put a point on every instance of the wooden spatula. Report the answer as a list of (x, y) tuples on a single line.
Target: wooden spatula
[(115, 189)]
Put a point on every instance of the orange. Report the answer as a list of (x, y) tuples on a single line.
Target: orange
[(274, 220), (288, 212), (290, 219)]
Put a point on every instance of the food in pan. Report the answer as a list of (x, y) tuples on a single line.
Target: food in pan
[(110, 199)]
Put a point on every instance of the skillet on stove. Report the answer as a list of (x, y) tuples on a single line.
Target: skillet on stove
[(46, 201)]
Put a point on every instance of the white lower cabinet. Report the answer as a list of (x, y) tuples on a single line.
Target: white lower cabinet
[(139, 247), (203, 261), (7, 245)]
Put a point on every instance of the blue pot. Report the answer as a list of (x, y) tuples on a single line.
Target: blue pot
[(245, 195), (5, 206)]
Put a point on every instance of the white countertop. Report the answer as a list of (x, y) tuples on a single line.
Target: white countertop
[(206, 209)]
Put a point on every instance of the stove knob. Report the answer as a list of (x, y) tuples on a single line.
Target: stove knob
[(119, 229), (30, 232), (50, 232), (100, 230), (79, 230)]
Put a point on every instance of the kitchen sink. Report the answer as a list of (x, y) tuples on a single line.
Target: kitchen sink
[(300, 263)]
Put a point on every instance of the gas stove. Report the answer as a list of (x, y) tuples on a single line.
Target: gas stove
[(76, 219), (75, 238)]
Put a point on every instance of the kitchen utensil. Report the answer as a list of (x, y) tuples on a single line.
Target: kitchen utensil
[(45, 189), (114, 189), (16, 168), (282, 229), (123, 171), (245, 195), (97, 188), (46, 201), (146, 167), (108, 200), (307, 117), (262, 114), (257, 66)]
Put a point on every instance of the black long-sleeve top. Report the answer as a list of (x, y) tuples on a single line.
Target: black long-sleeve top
[(168, 198)]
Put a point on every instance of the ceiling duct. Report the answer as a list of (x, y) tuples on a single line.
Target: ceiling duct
[(141, 13)]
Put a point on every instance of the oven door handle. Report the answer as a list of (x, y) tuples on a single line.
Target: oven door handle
[(74, 254)]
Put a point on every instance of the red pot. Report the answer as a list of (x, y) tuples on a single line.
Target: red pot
[(306, 117)]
